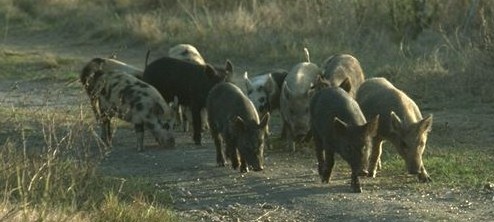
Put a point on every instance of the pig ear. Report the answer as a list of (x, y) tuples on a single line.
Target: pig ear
[(229, 66), (339, 126), (425, 125), (372, 126), (286, 90), (345, 85), (396, 124), (264, 120), (270, 84)]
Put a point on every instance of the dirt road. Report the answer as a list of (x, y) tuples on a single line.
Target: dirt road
[(287, 190)]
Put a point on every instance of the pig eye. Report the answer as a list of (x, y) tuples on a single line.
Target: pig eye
[(262, 99)]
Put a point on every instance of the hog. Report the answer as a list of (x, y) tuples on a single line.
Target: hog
[(186, 52), (264, 90), (233, 119), (240, 80), (118, 94), (401, 123), (294, 101), (113, 65), (343, 66), (189, 82), (339, 126)]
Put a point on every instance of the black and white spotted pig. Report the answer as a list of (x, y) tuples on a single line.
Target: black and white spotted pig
[(118, 94), (189, 82), (233, 120), (264, 90)]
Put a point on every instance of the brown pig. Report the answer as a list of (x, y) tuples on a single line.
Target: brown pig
[(339, 67), (401, 123)]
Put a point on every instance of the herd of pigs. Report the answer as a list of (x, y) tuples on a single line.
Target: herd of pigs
[(333, 105)]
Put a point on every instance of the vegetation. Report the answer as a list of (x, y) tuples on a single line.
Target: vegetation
[(440, 52)]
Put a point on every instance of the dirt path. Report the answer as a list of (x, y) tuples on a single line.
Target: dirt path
[(287, 190)]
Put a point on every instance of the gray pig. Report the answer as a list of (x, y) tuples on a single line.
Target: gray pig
[(343, 66), (294, 101), (401, 123), (233, 119), (339, 126)]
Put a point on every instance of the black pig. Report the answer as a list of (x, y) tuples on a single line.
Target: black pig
[(338, 126), (233, 119), (189, 82)]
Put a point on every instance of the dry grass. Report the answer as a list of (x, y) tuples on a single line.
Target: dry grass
[(440, 41), (441, 54)]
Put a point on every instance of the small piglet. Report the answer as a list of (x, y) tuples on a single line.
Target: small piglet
[(120, 94), (338, 126), (233, 120), (401, 123)]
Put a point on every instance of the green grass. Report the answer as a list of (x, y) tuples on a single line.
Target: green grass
[(36, 66)]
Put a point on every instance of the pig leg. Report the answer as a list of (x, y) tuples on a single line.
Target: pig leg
[(243, 165), (355, 184), (328, 164), (267, 143), (283, 131), (319, 155), (290, 143), (375, 157), (204, 117), (139, 129), (220, 154), (196, 124), (232, 154), (106, 133)]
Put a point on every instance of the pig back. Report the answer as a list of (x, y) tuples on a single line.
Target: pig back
[(332, 102), (173, 77), (301, 78), (379, 96), (226, 101), (339, 67)]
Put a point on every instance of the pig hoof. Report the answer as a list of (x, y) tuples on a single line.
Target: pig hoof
[(357, 189), (243, 170), (425, 178), (371, 175)]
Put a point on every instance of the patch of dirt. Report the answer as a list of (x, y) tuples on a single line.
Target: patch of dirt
[(288, 189)]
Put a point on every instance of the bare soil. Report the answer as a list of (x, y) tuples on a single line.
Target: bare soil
[(288, 189)]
